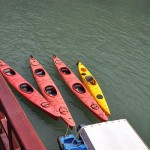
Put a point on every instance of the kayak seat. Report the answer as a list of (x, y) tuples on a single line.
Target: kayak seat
[(50, 90), (26, 88), (65, 70), (79, 88), (40, 72), (9, 71), (99, 96), (91, 80)]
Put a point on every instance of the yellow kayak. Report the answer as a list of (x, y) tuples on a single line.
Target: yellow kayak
[(93, 87)]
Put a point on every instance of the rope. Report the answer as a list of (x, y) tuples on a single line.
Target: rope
[(67, 129), (75, 129), (75, 138)]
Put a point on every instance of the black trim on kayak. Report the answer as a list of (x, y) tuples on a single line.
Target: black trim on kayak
[(78, 87), (31, 56), (50, 90), (77, 63), (25, 87), (65, 70), (9, 72), (54, 55), (39, 72)]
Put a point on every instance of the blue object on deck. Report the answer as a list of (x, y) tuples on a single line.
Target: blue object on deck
[(69, 142)]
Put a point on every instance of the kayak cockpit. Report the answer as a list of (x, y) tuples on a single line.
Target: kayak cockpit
[(39, 72), (90, 79), (79, 88), (99, 96), (25, 87), (9, 72), (83, 74), (65, 70), (50, 90)]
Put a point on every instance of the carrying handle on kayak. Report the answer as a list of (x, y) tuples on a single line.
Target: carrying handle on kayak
[(45, 104), (94, 106), (63, 110)]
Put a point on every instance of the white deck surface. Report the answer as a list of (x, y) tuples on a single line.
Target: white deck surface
[(112, 135)]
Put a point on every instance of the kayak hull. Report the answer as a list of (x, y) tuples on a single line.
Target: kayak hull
[(50, 91), (78, 89), (93, 87), (27, 90)]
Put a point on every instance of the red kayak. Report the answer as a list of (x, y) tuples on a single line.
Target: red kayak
[(78, 89), (50, 91), (27, 90)]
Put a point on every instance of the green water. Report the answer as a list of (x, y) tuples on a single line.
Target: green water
[(111, 38)]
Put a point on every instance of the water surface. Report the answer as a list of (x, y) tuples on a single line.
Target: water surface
[(111, 38)]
